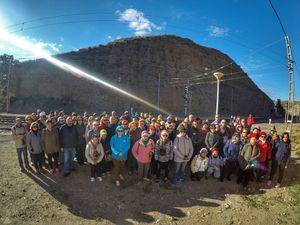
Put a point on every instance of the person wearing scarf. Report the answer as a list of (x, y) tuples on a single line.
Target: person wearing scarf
[(163, 154), (94, 154), (34, 145)]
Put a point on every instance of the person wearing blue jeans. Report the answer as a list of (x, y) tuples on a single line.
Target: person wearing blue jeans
[(178, 171), (183, 151), (69, 155), (68, 138)]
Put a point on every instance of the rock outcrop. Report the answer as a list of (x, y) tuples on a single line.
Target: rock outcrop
[(135, 65)]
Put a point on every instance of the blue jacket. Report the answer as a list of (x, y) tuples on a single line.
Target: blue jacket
[(283, 152), (231, 150), (119, 147)]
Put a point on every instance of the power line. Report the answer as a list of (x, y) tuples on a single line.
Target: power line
[(278, 18)]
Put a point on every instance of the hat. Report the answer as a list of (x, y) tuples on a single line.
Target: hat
[(103, 132), (203, 150), (256, 127), (145, 133), (42, 113), (262, 133), (119, 128), (164, 132), (94, 134)]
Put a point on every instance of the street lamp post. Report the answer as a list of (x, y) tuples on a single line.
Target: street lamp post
[(218, 75)]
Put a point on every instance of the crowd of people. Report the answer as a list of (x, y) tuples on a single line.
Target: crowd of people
[(149, 147)]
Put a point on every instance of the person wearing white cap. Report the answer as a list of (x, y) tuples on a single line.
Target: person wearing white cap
[(199, 165), (42, 121), (143, 150)]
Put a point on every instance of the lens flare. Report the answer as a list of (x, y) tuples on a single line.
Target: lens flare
[(39, 52)]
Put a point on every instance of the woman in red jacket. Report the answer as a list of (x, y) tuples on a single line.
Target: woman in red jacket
[(264, 157)]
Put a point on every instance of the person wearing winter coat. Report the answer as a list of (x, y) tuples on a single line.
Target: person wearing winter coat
[(195, 136), (34, 146), (119, 145), (212, 139), (199, 165), (231, 151), (247, 159), (94, 154), (142, 151), (163, 154), (68, 141), (183, 152), (50, 145), (215, 164), (19, 136), (281, 159), (81, 143), (106, 163), (264, 157)]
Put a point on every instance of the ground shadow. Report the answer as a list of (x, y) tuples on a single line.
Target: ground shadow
[(132, 202)]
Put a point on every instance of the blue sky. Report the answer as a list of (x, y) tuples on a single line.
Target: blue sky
[(246, 30)]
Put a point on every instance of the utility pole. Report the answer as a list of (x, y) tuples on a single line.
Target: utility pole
[(8, 83), (289, 114), (186, 97), (158, 92)]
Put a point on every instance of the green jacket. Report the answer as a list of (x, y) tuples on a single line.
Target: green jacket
[(250, 153), (50, 140)]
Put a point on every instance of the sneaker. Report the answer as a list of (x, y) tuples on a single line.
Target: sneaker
[(99, 178), (269, 183), (66, 174), (277, 185), (92, 179), (146, 179), (23, 169), (157, 180), (118, 183)]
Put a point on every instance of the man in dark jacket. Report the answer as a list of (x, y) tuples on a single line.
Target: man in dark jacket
[(195, 136), (80, 149), (68, 141)]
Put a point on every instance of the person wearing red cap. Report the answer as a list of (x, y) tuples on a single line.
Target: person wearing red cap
[(143, 150), (264, 157)]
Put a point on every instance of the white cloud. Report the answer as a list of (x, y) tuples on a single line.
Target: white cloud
[(7, 48), (216, 31), (138, 22)]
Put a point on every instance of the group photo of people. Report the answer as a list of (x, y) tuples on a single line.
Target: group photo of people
[(152, 148)]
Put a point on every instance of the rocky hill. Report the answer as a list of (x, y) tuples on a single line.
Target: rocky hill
[(135, 64)]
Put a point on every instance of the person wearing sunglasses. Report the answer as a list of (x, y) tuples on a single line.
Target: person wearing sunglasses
[(34, 146), (119, 144)]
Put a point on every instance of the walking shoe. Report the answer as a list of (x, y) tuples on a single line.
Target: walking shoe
[(277, 185), (23, 170), (269, 183), (183, 183), (99, 178), (146, 179), (67, 174), (118, 183), (92, 179)]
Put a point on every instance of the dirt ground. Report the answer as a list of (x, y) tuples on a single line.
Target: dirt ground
[(52, 199)]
